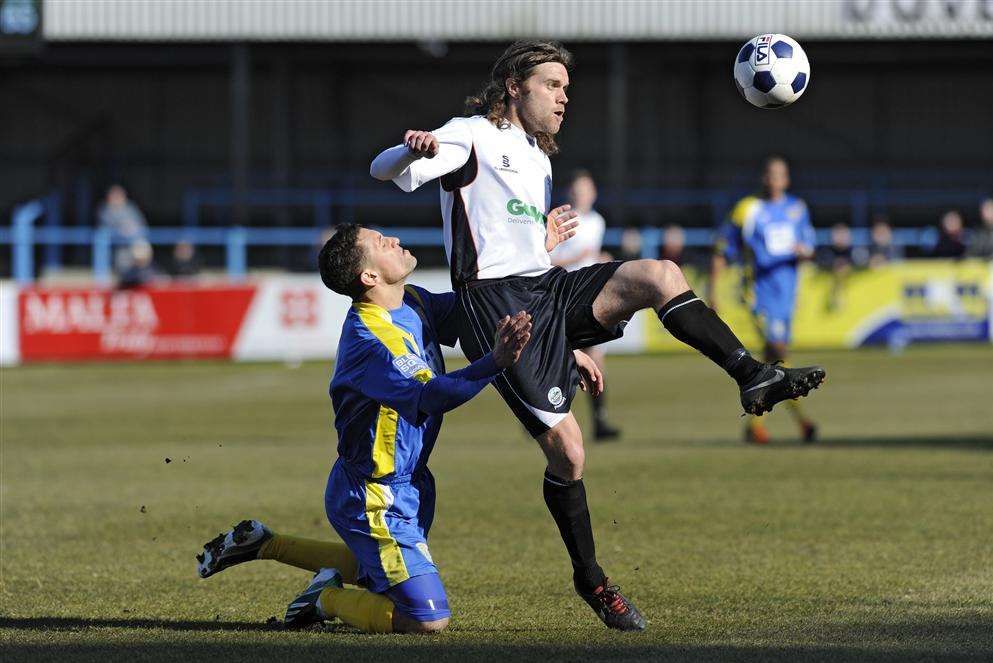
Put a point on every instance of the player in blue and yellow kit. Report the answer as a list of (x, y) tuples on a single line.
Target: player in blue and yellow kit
[(769, 235), (388, 392)]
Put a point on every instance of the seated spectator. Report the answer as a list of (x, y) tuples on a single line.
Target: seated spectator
[(630, 244), (673, 244), (838, 258), (881, 247), (185, 262), (141, 271), (951, 238), (981, 244), (125, 222)]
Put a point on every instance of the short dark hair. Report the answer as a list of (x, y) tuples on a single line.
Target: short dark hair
[(580, 174), (772, 158), (341, 260), (517, 62)]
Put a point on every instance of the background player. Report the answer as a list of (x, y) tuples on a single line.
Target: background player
[(389, 391), (496, 182), (582, 250), (769, 235)]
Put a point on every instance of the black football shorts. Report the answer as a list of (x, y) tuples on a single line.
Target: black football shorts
[(540, 387)]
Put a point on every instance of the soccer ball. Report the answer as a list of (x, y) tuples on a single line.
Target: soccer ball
[(771, 71)]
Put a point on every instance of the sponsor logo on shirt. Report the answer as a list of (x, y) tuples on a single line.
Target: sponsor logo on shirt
[(523, 213), (409, 365), (505, 167)]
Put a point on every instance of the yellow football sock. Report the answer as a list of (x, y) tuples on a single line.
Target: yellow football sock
[(311, 554), (796, 411), (366, 611)]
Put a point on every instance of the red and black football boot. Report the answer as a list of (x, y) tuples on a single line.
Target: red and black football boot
[(613, 608)]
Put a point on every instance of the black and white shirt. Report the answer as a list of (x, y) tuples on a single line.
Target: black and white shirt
[(496, 187)]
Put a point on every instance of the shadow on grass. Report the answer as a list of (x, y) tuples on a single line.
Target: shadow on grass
[(971, 442), (79, 623), (977, 442), (934, 639)]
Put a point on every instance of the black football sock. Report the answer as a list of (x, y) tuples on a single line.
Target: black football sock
[(566, 501), (597, 404), (698, 326)]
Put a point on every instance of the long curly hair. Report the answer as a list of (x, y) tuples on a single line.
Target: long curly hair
[(517, 63)]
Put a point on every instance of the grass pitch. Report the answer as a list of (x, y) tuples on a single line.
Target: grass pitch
[(875, 544)]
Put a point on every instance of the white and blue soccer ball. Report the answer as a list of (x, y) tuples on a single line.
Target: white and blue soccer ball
[(771, 71)]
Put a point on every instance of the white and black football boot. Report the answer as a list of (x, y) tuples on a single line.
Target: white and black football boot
[(303, 610), (241, 544)]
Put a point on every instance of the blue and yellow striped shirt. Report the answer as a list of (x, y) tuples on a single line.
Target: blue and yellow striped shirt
[(384, 359)]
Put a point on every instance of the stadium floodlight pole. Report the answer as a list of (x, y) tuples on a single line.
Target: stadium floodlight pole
[(617, 114), (240, 136)]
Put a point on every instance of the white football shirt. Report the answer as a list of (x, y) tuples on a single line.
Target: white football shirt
[(496, 187), (583, 248)]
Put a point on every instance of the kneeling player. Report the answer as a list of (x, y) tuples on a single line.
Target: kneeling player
[(389, 391)]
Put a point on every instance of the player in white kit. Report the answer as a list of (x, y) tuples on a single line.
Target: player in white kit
[(584, 249), (496, 182)]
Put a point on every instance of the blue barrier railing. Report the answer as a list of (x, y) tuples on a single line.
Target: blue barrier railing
[(24, 232), (861, 203), (23, 236)]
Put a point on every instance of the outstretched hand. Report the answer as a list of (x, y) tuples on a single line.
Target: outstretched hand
[(512, 334), (560, 224), (590, 377)]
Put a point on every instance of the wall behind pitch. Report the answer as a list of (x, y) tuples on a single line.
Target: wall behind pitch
[(158, 117)]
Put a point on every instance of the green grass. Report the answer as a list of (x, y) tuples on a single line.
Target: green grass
[(876, 544)]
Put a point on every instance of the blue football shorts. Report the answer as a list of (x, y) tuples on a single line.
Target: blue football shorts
[(385, 524)]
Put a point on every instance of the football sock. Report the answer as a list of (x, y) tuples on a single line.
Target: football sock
[(694, 323), (566, 501), (311, 554), (598, 406), (796, 411), (366, 611)]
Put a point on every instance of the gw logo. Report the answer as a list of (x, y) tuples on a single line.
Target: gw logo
[(518, 208)]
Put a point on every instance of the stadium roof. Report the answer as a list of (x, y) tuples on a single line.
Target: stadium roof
[(462, 20)]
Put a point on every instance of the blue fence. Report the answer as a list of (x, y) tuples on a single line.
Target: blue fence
[(24, 235), (329, 206)]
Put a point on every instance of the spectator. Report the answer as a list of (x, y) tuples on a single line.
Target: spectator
[(185, 261), (951, 238), (981, 245), (838, 258), (673, 244), (881, 247), (125, 222), (630, 248), (674, 248), (140, 271)]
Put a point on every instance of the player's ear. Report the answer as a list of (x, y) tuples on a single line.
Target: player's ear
[(513, 88), (368, 278)]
